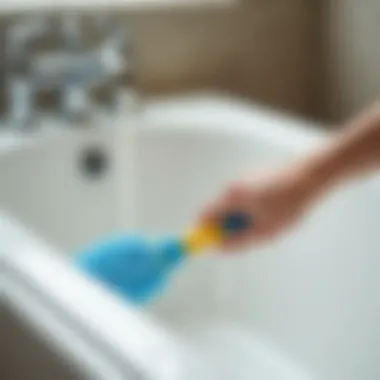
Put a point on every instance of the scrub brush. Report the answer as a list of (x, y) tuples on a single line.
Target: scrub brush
[(137, 269)]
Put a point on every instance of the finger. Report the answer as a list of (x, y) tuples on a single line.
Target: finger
[(237, 193), (211, 213), (236, 242), (220, 208), (234, 196), (252, 238)]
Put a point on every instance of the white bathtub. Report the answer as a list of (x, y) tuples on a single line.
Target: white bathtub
[(306, 307)]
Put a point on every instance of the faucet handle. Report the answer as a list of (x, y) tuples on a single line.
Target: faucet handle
[(72, 33), (20, 35), (19, 40)]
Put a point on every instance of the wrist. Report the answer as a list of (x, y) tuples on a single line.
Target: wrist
[(320, 172)]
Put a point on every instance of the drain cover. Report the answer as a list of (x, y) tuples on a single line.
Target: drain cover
[(94, 162)]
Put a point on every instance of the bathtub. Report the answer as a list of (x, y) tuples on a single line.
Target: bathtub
[(304, 307)]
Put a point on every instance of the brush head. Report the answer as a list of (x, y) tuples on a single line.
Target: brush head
[(130, 265), (137, 268)]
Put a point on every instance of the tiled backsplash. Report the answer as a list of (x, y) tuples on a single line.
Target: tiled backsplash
[(354, 54), (268, 51)]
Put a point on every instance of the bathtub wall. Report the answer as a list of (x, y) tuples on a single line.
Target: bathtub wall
[(42, 185)]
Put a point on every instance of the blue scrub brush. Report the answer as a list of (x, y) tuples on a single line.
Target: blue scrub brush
[(137, 269)]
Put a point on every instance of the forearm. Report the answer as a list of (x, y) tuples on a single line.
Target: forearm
[(353, 152)]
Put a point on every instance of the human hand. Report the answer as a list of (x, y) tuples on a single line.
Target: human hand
[(275, 200)]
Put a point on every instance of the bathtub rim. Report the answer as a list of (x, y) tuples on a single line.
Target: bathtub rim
[(47, 309), (186, 112), (218, 112)]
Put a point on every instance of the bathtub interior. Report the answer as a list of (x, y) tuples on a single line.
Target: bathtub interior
[(311, 294), (49, 185), (186, 170)]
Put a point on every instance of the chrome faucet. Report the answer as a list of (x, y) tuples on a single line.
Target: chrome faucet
[(19, 39), (72, 69)]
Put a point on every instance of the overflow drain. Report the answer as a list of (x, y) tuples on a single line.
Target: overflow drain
[(94, 162)]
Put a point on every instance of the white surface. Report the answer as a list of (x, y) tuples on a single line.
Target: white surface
[(312, 297), (59, 184), (209, 111), (228, 352)]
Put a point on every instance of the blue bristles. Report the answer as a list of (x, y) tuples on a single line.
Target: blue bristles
[(130, 265), (136, 268)]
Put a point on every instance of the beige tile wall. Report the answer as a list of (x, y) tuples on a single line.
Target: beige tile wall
[(266, 50), (354, 55), (316, 58)]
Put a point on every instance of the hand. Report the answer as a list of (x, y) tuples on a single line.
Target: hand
[(275, 200)]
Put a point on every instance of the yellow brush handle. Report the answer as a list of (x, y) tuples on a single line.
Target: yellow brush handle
[(208, 235), (201, 238)]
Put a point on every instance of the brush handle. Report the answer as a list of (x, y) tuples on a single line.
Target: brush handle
[(236, 222), (205, 236)]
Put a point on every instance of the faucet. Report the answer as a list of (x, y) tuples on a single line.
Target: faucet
[(72, 69), (19, 40)]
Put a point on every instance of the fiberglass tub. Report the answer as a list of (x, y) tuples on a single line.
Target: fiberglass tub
[(304, 307)]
